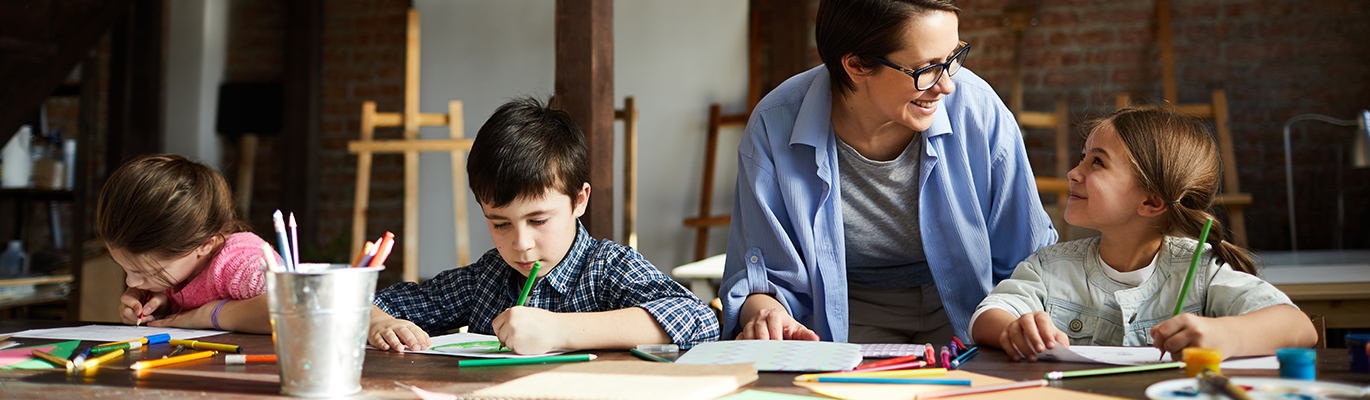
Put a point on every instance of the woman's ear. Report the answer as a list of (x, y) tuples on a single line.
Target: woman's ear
[(856, 70)]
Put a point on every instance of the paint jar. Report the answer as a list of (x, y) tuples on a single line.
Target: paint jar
[(1298, 363), (1356, 344), (1197, 359), (319, 318)]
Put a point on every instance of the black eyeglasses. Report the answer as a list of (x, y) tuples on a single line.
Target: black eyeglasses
[(927, 76)]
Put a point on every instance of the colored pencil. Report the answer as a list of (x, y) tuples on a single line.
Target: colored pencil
[(901, 381), (891, 361), (270, 256), (383, 250), (278, 221), (896, 367), (527, 288), (984, 389), (966, 356), (521, 361), (54, 360), (1057, 375), (145, 364), (647, 356), (91, 363), (1189, 278), (907, 373), (198, 345), (294, 240), (147, 295), (247, 359)]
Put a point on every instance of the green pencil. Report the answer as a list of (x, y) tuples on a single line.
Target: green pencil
[(1189, 278), (647, 356), (1057, 375), (527, 288), (520, 361)]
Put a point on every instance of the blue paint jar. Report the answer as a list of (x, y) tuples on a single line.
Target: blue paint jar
[(1298, 363), (1355, 344)]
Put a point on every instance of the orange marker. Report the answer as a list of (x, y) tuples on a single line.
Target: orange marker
[(145, 364), (249, 359), (367, 249), (387, 243)]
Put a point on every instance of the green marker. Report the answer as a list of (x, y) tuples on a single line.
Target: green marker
[(521, 361), (1057, 375), (527, 288)]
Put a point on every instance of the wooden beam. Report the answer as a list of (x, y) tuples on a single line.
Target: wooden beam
[(585, 89), (302, 76)]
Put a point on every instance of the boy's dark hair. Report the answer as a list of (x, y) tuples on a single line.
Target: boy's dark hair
[(525, 148), (866, 29)]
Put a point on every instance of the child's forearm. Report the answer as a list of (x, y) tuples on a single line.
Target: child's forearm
[(1263, 331), (248, 316), (617, 329), (990, 326)]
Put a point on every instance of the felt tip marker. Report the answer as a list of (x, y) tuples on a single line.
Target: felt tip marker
[(234, 359)]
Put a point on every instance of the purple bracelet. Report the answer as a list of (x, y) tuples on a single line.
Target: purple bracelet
[(214, 318)]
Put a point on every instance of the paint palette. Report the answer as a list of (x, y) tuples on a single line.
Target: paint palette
[(1258, 388)]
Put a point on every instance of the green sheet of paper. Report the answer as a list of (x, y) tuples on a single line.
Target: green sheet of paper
[(63, 350), (763, 395)]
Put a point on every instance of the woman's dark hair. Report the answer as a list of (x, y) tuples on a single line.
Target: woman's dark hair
[(1175, 158), (525, 148), (866, 29), (164, 206)]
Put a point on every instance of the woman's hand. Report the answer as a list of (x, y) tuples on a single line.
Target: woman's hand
[(770, 321), (1031, 334)]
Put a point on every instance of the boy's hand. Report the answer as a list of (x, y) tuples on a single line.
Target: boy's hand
[(527, 330), (1189, 330), (1030, 334), (390, 333), (775, 324), (131, 306)]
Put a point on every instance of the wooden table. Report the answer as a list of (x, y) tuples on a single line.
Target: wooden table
[(213, 379), (1331, 283)]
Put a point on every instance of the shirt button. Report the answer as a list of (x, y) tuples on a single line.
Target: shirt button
[(1076, 325), (753, 259)]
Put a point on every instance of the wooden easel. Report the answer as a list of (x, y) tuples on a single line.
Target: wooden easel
[(1231, 197), (1019, 19), (411, 119)]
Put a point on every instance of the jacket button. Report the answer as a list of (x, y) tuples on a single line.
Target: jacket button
[(1076, 325), (753, 259)]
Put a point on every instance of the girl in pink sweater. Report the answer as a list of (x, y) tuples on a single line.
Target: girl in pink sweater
[(170, 223)]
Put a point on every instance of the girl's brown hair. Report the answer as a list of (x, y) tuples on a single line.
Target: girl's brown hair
[(1176, 159), (164, 206)]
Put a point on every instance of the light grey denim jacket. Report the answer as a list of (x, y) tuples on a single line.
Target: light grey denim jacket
[(1067, 281)]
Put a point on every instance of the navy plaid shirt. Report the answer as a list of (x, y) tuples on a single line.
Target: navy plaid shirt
[(596, 275)]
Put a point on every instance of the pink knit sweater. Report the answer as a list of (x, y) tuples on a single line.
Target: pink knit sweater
[(234, 274)]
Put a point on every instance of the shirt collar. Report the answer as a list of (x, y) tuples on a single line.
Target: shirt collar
[(814, 122), (572, 265)]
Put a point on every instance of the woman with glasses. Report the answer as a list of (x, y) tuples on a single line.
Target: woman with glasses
[(881, 195)]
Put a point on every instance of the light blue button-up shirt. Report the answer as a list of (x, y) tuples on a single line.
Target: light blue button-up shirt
[(978, 206)]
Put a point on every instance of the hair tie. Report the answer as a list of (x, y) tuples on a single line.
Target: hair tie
[(1174, 202)]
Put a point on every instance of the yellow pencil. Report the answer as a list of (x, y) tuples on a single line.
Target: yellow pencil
[(198, 345), (54, 360), (907, 373), (145, 364), (91, 363)]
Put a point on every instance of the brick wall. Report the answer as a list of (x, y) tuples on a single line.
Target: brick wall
[(255, 50), (1275, 58)]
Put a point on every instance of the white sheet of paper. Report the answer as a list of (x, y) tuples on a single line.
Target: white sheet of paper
[(113, 333), (472, 345), (1118, 355)]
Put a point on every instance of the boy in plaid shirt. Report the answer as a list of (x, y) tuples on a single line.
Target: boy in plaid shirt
[(528, 169)]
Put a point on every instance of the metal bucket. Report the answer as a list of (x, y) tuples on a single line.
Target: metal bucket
[(319, 321)]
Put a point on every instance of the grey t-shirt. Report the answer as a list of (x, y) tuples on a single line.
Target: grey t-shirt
[(880, 218)]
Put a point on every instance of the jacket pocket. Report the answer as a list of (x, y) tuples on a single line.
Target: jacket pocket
[(1078, 322)]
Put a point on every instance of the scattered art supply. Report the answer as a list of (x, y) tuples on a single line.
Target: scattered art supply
[(523, 361), (966, 356), (249, 358), (61, 350), (1210, 381), (102, 349), (890, 350), (93, 362), (647, 356), (892, 361), (1198, 359), (901, 381), (1055, 375), (929, 355), (176, 351), (56, 361), (984, 389), (777, 355), (1189, 277), (145, 364), (473, 345), (1297, 363), (15, 356), (198, 345), (427, 394), (895, 367), (112, 333), (908, 373), (1259, 388), (946, 357)]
